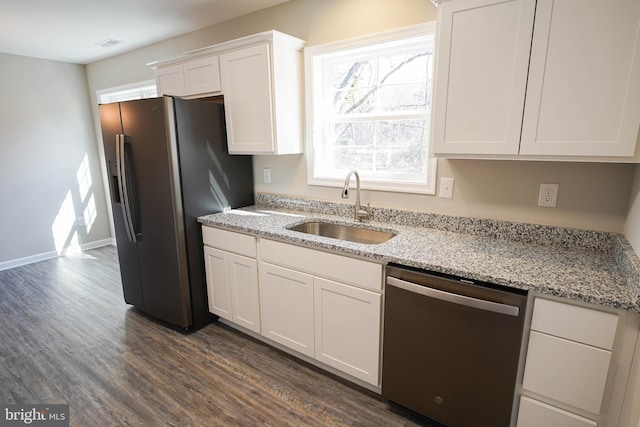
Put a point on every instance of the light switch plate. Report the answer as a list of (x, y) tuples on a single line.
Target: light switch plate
[(446, 188)]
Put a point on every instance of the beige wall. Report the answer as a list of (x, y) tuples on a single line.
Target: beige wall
[(632, 225), (46, 138), (591, 195)]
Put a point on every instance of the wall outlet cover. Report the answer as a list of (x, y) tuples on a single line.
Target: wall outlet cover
[(548, 196), (267, 175)]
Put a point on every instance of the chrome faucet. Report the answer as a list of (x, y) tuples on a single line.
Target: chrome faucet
[(360, 214)]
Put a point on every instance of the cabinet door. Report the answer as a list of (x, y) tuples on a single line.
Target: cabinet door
[(535, 414), (202, 76), (583, 94), (481, 75), (218, 283), (170, 80), (566, 371), (243, 278), (247, 87), (286, 300), (347, 329)]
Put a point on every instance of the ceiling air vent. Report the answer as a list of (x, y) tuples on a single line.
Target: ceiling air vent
[(108, 42)]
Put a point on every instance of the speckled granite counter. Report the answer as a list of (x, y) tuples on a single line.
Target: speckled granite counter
[(589, 266)]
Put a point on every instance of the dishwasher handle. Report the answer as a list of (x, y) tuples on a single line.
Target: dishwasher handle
[(495, 307)]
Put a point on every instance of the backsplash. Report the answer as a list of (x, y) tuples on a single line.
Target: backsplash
[(529, 233)]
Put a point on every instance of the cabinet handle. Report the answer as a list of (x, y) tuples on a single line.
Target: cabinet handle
[(495, 307)]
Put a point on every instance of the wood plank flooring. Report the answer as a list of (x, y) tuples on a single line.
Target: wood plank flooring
[(66, 336)]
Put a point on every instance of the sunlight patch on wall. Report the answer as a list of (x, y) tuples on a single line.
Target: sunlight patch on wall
[(90, 213), (83, 176), (77, 213), (63, 228)]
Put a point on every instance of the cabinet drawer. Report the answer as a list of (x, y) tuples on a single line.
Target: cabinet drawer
[(535, 414), (575, 323), (238, 243), (357, 272), (566, 371)]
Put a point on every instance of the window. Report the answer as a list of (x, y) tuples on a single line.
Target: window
[(140, 90), (368, 108)]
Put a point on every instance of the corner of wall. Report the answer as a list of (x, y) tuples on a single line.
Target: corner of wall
[(632, 224)]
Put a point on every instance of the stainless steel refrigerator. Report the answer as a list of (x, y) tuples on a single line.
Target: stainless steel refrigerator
[(168, 164)]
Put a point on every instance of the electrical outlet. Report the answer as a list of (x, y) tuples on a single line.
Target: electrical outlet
[(81, 222), (446, 188), (548, 195), (267, 175)]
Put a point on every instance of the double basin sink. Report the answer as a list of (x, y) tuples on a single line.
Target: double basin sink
[(343, 232)]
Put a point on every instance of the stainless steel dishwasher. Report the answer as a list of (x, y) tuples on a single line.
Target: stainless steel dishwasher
[(451, 347)]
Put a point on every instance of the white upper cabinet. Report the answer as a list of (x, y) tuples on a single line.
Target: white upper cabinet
[(482, 57), (170, 80), (194, 78), (567, 86), (260, 77), (583, 94), (202, 75), (262, 88)]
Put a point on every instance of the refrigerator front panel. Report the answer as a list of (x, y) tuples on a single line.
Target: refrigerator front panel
[(127, 252), (162, 266), (212, 181)]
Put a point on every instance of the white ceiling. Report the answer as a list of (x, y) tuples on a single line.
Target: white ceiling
[(68, 30)]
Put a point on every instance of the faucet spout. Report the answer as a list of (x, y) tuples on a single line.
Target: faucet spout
[(360, 213)]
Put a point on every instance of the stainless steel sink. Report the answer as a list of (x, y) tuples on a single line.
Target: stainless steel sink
[(343, 232)]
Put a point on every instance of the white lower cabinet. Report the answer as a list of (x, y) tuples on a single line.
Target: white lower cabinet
[(567, 365), (346, 332), (335, 322), (536, 414), (567, 371), (286, 298), (232, 278), (322, 305)]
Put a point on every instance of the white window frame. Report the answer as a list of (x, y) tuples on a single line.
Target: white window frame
[(138, 90), (313, 132)]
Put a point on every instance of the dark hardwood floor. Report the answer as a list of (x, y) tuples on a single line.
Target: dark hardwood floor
[(66, 336)]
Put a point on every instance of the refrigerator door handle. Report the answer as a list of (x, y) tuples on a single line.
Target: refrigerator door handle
[(123, 187)]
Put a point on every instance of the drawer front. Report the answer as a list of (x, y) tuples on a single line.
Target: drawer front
[(357, 272), (566, 371), (535, 414), (241, 244), (593, 327)]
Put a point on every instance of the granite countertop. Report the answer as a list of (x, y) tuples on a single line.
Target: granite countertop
[(594, 267)]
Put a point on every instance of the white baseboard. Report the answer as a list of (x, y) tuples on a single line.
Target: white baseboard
[(5, 265)]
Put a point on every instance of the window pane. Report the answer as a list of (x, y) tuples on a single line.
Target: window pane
[(347, 158), (370, 112), (354, 101), (401, 160), (403, 97), (402, 133), (410, 67), (382, 84), (358, 133)]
